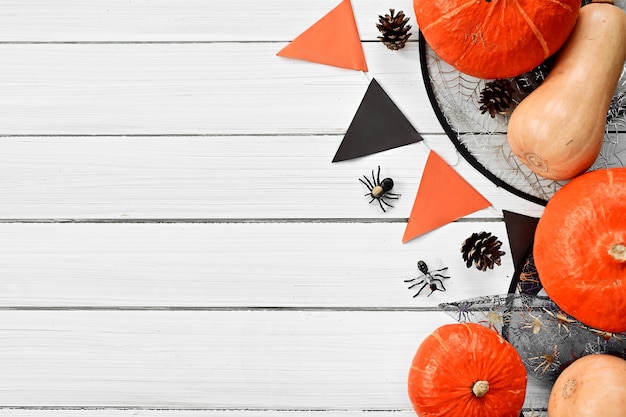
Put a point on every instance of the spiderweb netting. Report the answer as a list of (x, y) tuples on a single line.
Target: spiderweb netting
[(482, 140), (547, 339)]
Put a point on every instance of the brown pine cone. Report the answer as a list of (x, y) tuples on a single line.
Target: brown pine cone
[(483, 250), (496, 97), (394, 29)]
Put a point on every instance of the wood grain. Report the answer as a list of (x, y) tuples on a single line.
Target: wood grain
[(174, 240), (177, 412), (204, 89), (242, 265), (249, 177), (214, 360), (137, 412), (217, 360), (179, 20)]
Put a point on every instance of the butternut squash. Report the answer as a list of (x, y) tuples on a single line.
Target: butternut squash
[(558, 130)]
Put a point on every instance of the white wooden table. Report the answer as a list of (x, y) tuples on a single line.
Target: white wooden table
[(174, 240)]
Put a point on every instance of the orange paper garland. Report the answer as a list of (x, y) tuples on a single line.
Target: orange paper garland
[(443, 196), (332, 40)]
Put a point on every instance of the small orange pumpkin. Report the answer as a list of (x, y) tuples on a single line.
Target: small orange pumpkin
[(465, 369), (592, 386), (495, 38), (580, 249)]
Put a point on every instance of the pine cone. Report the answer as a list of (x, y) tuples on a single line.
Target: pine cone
[(496, 97), (483, 250), (394, 30)]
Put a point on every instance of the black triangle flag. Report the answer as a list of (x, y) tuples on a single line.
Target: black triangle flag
[(521, 232), (377, 126)]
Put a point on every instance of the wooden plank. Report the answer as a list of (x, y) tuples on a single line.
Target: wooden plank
[(223, 360), (218, 360), (215, 413), (214, 88), (216, 177), (135, 412), (226, 265), (178, 20)]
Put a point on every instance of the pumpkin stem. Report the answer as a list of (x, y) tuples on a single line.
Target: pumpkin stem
[(480, 388), (618, 252)]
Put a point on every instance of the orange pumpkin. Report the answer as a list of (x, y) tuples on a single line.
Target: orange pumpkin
[(580, 249), (465, 369), (495, 38), (592, 386)]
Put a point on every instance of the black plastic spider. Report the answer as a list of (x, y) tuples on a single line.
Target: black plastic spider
[(380, 190), (428, 279)]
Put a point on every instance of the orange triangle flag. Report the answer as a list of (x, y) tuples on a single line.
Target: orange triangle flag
[(332, 40), (443, 196)]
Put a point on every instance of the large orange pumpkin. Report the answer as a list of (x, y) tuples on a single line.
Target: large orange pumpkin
[(465, 369), (495, 38), (580, 249)]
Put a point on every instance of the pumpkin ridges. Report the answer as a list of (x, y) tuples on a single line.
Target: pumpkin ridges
[(478, 35), (429, 395), (440, 382), (561, 4), (473, 37), (573, 235), (498, 381), (535, 30), (448, 15), (439, 339)]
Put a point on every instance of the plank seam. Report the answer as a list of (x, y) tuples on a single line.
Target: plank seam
[(222, 309), (155, 42), (196, 409), (363, 220)]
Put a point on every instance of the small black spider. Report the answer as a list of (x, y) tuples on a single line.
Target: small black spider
[(380, 190), (428, 279)]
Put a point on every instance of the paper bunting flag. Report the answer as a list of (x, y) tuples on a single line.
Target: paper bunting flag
[(521, 232), (332, 40), (442, 197), (377, 126)]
